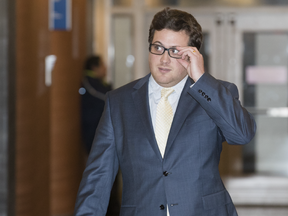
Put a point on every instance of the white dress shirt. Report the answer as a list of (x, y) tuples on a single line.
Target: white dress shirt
[(154, 90)]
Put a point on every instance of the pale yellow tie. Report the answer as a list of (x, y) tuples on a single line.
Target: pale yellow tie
[(164, 117)]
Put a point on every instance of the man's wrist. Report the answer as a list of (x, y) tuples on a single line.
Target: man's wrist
[(196, 81)]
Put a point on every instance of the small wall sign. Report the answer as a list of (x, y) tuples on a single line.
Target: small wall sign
[(60, 15)]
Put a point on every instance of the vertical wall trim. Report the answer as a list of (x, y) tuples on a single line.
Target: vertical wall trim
[(3, 108), (11, 104), (7, 107)]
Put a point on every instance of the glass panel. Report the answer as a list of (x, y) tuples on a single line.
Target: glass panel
[(266, 95), (189, 3), (122, 3), (123, 58)]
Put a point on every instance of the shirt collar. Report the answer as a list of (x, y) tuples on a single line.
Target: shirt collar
[(155, 88)]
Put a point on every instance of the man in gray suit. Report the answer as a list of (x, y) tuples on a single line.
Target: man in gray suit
[(166, 173)]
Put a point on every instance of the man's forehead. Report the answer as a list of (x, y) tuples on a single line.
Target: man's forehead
[(170, 38)]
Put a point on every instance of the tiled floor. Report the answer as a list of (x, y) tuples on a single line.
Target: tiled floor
[(262, 211), (257, 195)]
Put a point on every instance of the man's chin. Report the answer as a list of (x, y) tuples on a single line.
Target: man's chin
[(164, 83)]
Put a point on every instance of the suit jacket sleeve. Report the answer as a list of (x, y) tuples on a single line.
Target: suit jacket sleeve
[(221, 102), (101, 169)]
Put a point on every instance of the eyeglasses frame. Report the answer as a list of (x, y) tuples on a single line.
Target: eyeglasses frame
[(168, 50)]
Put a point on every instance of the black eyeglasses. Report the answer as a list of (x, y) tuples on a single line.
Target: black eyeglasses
[(159, 50)]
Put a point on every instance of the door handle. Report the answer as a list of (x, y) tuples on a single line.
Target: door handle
[(49, 65)]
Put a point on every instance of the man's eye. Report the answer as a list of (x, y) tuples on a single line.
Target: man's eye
[(159, 48), (174, 51)]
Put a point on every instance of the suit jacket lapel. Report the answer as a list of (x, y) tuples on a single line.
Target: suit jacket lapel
[(141, 101), (185, 106)]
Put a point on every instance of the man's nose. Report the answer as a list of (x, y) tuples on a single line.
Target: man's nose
[(165, 58)]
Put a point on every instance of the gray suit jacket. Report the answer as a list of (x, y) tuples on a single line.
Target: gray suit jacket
[(187, 178)]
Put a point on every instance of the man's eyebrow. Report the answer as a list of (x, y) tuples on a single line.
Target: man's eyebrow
[(163, 45), (158, 42)]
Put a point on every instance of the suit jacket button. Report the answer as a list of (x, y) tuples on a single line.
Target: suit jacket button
[(162, 207), (208, 99), (203, 94), (200, 91), (206, 96), (165, 173)]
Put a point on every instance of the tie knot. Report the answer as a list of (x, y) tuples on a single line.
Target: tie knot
[(165, 92)]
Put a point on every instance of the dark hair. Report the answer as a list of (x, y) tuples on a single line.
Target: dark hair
[(177, 20), (92, 61)]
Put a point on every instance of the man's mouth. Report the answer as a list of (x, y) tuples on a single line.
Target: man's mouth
[(164, 70)]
